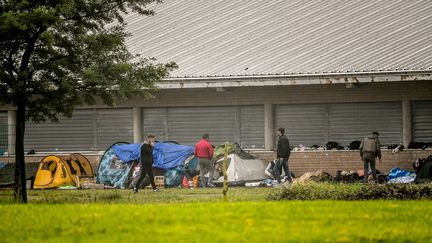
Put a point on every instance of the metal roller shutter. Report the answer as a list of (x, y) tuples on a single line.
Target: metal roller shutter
[(422, 121), (354, 121), (252, 126), (3, 131), (187, 125), (304, 124), (73, 134), (155, 123), (113, 125)]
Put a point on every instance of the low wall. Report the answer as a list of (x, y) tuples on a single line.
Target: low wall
[(334, 160), (302, 162)]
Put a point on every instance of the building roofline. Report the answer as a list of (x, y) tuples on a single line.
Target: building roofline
[(294, 79)]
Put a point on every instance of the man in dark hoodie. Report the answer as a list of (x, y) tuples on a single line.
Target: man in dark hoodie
[(370, 148), (146, 164), (283, 153)]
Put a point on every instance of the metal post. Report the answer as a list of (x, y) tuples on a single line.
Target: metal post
[(225, 183)]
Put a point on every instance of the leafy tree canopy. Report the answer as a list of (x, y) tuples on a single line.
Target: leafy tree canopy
[(59, 54)]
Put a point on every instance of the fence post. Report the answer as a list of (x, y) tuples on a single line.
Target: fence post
[(225, 183)]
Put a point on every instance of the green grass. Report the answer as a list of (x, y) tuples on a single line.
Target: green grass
[(219, 222), (172, 195), (184, 215)]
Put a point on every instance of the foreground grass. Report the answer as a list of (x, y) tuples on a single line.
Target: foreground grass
[(219, 222)]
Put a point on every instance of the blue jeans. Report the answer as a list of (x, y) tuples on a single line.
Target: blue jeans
[(282, 163)]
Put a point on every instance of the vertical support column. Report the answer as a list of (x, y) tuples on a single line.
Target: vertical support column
[(406, 123), (137, 125), (11, 132), (268, 126)]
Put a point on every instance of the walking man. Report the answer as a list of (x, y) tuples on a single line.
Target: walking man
[(146, 164), (370, 148), (204, 152), (283, 153)]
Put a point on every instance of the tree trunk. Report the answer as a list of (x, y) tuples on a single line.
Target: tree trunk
[(20, 192)]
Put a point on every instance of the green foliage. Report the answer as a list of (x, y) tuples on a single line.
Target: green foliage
[(314, 191), (56, 55), (296, 221)]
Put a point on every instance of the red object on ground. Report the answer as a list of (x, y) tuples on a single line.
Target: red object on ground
[(185, 182)]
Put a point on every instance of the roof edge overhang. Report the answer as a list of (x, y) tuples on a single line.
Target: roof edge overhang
[(293, 79)]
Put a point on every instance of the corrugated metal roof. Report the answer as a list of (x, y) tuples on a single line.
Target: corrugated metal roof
[(225, 38)]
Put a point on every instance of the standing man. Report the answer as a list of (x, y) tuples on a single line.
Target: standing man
[(204, 152), (282, 154), (370, 148), (146, 164)]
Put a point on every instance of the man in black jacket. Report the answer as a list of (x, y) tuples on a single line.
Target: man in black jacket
[(146, 164), (282, 154)]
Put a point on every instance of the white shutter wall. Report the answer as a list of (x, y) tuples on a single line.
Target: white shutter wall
[(187, 125), (74, 134), (422, 121), (113, 125), (87, 130), (252, 126), (155, 123), (354, 121), (303, 124)]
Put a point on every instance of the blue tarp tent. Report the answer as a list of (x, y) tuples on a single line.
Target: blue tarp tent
[(169, 155), (166, 155), (115, 166), (128, 152), (112, 171)]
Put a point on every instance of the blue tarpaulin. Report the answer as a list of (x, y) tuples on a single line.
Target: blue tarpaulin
[(165, 155), (170, 155), (127, 152)]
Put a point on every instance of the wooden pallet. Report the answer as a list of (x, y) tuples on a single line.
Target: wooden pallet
[(87, 182), (159, 181)]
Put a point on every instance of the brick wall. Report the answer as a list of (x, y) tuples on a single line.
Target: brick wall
[(302, 162), (332, 161)]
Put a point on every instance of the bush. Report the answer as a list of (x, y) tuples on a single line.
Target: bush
[(316, 191)]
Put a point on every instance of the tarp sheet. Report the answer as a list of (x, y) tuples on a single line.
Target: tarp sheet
[(170, 155), (127, 152), (165, 155)]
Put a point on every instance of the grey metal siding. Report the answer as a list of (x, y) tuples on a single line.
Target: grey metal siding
[(3, 131), (155, 123), (422, 121), (252, 126), (113, 125), (187, 125), (76, 133), (354, 121), (304, 124), (88, 129)]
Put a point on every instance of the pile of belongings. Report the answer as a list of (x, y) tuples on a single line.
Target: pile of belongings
[(423, 168), (347, 177), (357, 176), (396, 175), (317, 176), (419, 145)]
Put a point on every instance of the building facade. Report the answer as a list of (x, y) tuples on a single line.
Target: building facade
[(323, 70)]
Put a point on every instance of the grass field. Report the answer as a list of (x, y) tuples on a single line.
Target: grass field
[(183, 215)]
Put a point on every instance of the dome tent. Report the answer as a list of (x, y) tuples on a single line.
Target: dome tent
[(55, 171)]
